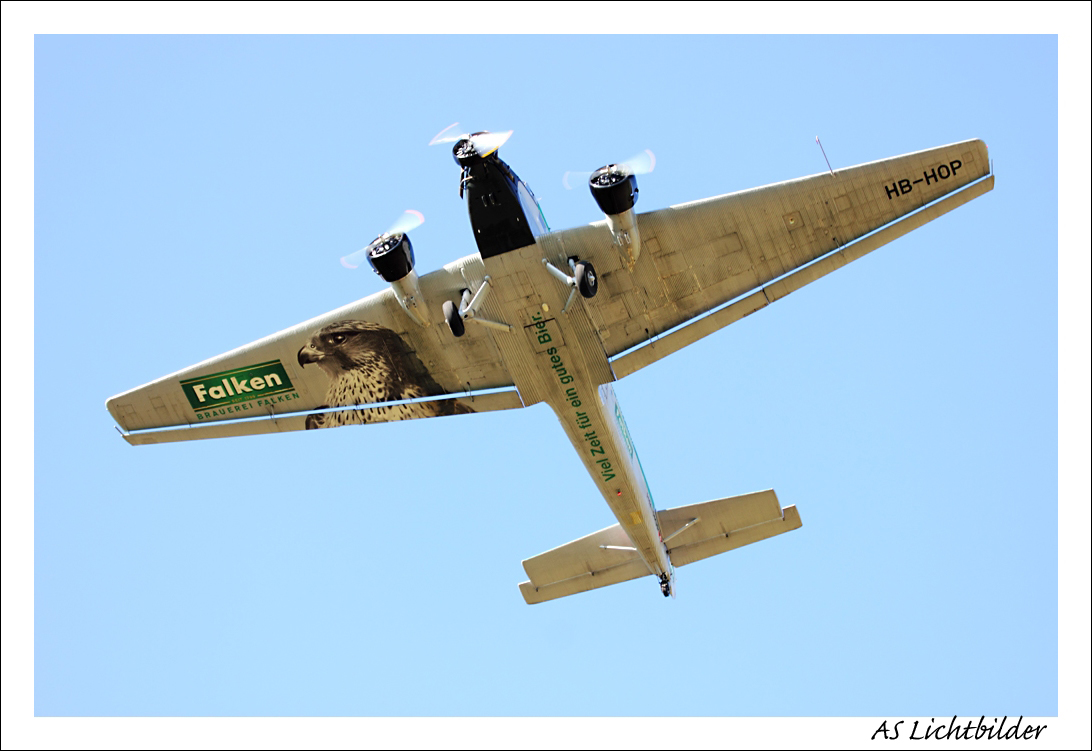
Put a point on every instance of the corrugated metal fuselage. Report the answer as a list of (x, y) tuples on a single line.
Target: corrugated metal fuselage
[(558, 358)]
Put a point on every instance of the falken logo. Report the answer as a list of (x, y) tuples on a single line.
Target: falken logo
[(239, 385)]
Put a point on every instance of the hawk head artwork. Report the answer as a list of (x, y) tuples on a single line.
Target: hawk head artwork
[(370, 364)]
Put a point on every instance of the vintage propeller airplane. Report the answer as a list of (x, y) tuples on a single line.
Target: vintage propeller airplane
[(557, 316)]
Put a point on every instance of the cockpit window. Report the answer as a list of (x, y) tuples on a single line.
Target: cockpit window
[(532, 211)]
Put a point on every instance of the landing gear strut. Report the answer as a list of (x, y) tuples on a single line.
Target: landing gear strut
[(583, 281), (467, 310)]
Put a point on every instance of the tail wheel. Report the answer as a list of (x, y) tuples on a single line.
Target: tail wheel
[(586, 280), (454, 320)]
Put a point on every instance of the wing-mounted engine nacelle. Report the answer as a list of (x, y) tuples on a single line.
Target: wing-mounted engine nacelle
[(614, 188), (391, 256)]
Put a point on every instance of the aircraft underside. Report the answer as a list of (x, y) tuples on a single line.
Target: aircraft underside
[(524, 321)]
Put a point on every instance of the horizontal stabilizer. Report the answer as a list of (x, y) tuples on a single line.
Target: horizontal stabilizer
[(705, 529), (631, 569), (602, 558), (690, 533), (362, 415)]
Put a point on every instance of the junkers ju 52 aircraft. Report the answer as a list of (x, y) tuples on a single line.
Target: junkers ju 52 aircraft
[(556, 317)]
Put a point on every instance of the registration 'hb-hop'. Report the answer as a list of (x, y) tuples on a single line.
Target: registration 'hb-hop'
[(934, 175)]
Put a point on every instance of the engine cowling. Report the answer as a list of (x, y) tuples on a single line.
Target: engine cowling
[(614, 189), (391, 256), (466, 152)]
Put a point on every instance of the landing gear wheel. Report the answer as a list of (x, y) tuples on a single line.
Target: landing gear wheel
[(586, 280), (454, 320), (665, 588)]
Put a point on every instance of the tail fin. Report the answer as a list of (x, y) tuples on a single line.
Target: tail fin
[(690, 533)]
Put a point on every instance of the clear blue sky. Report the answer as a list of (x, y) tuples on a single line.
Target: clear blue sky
[(193, 194)]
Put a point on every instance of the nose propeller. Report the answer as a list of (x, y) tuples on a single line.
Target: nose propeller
[(483, 143)]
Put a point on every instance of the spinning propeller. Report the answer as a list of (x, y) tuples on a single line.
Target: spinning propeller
[(480, 144), (641, 164), (410, 220)]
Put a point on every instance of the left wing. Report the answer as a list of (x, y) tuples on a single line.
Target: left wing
[(762, 244), (363, 363)]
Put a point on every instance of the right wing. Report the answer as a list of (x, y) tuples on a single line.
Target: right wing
[(753, 247), (366, 362)]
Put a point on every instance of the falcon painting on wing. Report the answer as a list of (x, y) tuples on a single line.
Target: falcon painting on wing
[(370, 364)]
